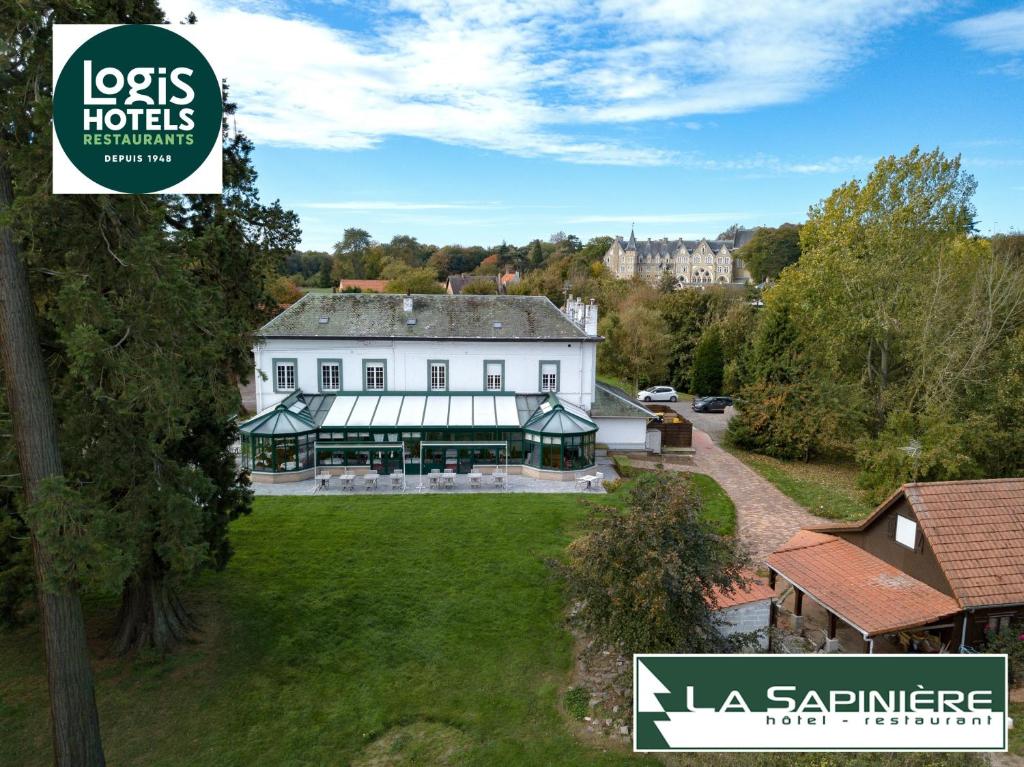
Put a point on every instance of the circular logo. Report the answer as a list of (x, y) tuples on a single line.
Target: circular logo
[(137, 108)]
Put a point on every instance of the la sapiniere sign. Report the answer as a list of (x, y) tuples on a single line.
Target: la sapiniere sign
[(819, 702), (137, 109)]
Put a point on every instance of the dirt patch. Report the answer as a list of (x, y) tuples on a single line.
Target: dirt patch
[(607, 678), (430, 743)]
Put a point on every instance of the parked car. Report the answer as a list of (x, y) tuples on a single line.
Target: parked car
[(711, 404), (657, 394)]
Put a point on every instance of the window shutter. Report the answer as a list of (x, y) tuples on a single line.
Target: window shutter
[(892, 526)]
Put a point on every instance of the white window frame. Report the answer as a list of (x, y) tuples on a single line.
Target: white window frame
[(437, 382), (282, 383), (374, 365)]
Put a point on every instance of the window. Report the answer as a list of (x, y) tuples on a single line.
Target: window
[(999, 623), (284, 375), (906, 532), (494, 375), (438, 375), (374, 375), (549, 376), (330, 375)]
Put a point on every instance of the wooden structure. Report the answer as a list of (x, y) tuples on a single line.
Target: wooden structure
[(675, 430), (943, 560)]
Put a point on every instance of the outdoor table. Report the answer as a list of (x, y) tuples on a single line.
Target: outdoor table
[(499, 479), (397, 480), (474, 478), (448, 478), (370, 480), (586, 479), (324, 479), (347, 480), (434, 479)]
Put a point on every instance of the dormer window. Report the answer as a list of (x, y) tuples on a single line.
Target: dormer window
[(906, 532)]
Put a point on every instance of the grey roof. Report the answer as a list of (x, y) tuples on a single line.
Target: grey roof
[(666, 247), (458, 282), (372, 315), (612, 402), (553, 417)]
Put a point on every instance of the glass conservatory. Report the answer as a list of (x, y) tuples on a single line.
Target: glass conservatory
[(417, 433)]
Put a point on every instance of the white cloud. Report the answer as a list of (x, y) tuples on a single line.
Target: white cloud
[(534, 78), (999, 32)]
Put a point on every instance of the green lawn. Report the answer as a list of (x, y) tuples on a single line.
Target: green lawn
[(347, 628), (827, 490), (368, 631)]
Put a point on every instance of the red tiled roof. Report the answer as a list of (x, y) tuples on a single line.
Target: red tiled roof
[(377, 286), (975, 528), (859, 588), (755, 590)]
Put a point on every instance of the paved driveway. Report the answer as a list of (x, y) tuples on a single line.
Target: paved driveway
[(712, 424), (765, 517)]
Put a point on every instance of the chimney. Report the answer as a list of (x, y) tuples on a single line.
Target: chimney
[(590, 318), (407, 302)]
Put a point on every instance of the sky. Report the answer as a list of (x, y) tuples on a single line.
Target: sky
[(477, 122)]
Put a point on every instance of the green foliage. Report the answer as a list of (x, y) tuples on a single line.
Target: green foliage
[(642, 577), (146, 306), (708, 364), (1010, 641), (403, 278), (82, 540), (577, 702), (770, 251)]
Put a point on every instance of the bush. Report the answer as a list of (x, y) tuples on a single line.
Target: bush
[(643, 575), (577, 702), (1010, 641)]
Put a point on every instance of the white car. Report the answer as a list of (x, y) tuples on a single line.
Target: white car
[(657, 394)]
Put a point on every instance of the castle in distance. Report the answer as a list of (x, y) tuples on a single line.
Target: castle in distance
[(691, 262)]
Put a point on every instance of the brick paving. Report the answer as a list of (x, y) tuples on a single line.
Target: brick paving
[(766, 518)]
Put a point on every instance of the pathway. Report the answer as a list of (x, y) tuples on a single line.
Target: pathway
[(766, 517)]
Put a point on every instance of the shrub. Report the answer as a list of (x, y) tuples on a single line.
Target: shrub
[(577, 702), (642, 576), (1010, 641)]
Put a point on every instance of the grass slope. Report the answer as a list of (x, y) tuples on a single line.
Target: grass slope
[(341, 621), (826, 490), (368, 631)]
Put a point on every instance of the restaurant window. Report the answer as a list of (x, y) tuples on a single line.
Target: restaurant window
[(438, 375), (330, 375), (374, 375), (494, 375), (549, 376), (284, 375)]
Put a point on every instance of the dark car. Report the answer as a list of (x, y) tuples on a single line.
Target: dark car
[(711, 404)]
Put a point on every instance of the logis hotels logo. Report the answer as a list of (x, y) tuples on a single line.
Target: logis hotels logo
[(819, 702), (136, 109)]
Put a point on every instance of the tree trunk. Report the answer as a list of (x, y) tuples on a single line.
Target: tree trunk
[(74, 720), (152, 615)]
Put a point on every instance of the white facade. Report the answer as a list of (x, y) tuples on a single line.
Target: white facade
[(407, 365)]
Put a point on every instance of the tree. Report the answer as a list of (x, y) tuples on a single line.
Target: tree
[(645, 578), (536, 254), (730, 233), (403, 278), (708, 364), (637, 342), (349, 255), (770, 251)]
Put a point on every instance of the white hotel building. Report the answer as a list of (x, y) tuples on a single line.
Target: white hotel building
[(359, 381)]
